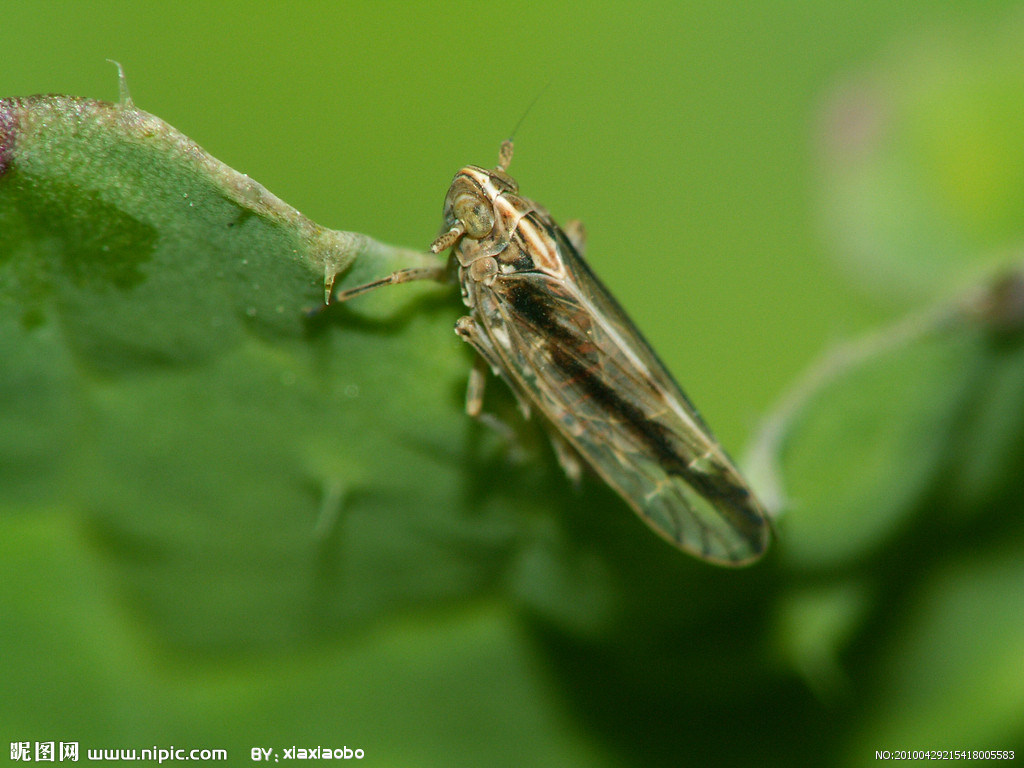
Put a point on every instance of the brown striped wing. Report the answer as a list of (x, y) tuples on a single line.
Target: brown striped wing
[(567, 346)]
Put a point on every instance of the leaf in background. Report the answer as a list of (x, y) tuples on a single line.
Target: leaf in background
[(923, 166), (898, 463), (901, 467), (952, 676), (861, 441), (987, 476)]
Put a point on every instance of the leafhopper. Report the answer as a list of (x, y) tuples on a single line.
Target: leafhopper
[(542, 321)]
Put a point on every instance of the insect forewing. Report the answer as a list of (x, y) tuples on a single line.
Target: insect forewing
[(567, 346)]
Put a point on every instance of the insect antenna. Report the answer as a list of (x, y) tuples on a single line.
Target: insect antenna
[(505, 153)]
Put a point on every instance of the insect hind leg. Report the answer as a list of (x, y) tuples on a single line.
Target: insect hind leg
[(568, 457), (475, 401), (467, 330)]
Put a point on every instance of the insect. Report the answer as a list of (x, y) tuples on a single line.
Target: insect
[(543, 322)]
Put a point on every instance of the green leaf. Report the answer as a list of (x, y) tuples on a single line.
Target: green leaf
[(863, 439), (195, 467), (816, 625), (987, 473), (897, 470), (407, 693), (951, 678), (899, 430), (156, 309)]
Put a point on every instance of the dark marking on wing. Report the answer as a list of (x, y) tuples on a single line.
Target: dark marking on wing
[(565, 352)]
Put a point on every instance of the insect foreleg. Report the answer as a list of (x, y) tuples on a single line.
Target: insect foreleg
[(437, 273)]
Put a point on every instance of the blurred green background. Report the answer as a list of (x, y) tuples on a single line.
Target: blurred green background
[(681, 135), (759, 181)]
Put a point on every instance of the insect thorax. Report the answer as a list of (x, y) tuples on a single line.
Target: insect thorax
[(522, 239)]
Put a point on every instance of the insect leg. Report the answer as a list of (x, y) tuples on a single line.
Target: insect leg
[(475, 387), (577, 235), (467, 330), (475, 401), (568, 457), (437, 273)]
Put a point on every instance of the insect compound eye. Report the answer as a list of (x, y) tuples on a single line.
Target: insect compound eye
[(475, 214)]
